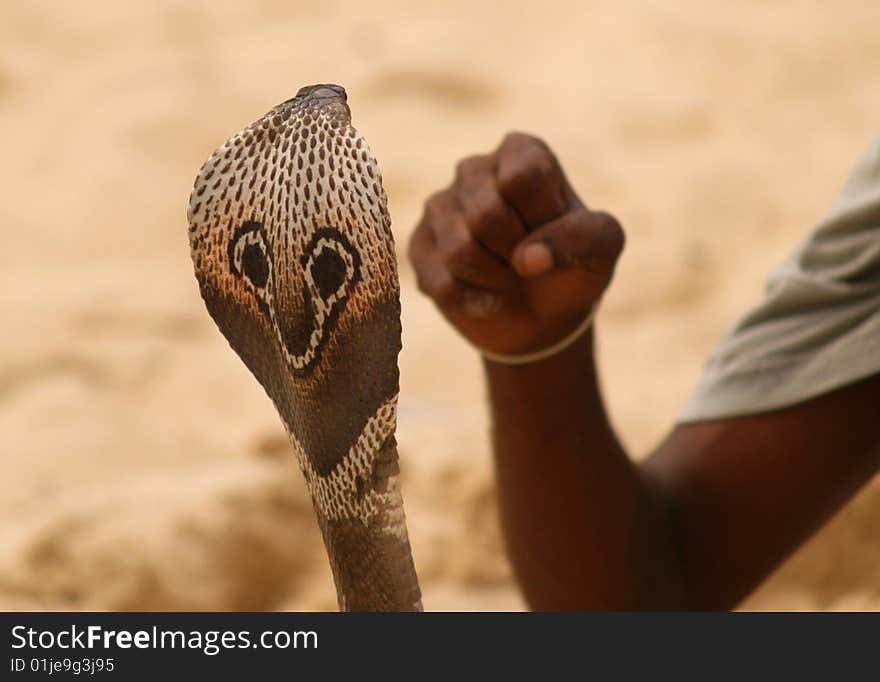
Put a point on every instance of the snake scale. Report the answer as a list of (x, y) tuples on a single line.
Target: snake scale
[(292, 248)]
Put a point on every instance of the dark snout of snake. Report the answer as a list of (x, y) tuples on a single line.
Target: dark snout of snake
[(292, 248)]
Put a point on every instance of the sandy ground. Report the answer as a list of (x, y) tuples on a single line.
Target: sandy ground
[(141, 465)]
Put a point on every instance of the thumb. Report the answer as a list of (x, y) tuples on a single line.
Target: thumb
[(579, 239)]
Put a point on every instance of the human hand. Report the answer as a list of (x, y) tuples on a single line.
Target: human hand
[(509, 253)]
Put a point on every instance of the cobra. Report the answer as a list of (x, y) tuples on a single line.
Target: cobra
[(292, 248)]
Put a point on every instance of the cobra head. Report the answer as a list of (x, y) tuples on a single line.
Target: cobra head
[(293, 251)]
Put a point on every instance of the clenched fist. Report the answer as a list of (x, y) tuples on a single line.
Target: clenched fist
[(509, 253)]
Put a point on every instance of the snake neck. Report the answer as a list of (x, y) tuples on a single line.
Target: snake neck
[(370, 557)]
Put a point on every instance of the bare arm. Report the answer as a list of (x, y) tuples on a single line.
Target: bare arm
[(699, 525), (719, 504), (582, 527), (745, 493)]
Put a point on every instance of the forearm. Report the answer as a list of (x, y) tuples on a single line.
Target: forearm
[(580, 520)]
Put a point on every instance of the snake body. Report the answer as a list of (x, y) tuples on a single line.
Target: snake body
[(292, 248)]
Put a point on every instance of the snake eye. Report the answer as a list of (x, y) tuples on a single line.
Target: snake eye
[(248, 255)]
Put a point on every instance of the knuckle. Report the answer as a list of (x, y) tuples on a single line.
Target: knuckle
[(447, 293), (532, 169), (433, 202), (516, 139), (487, 216), (420, 271), (435, 205), (519, 177), (612, 232), (540, 155), (462, 257), (543, 166), (416, 247), (468, 166), (422, 283)]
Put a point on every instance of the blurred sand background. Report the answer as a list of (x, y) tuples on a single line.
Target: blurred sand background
[(143, 468)]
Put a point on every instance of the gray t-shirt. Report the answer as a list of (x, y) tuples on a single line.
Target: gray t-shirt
[(818, 327)]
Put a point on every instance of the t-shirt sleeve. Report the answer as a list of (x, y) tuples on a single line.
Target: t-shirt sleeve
[(818, 327)]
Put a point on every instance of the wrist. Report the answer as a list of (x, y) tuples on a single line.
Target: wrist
[(547, 350), (559, 369)]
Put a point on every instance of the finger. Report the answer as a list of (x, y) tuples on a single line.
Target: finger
[(423, 256), (491, 221), (581, 239), (465, 258), (435, 280), (530, 180)]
